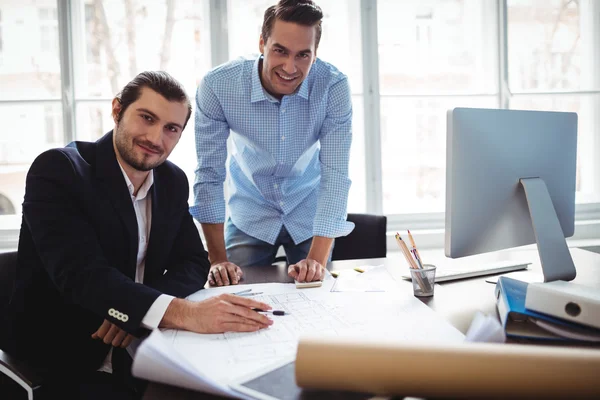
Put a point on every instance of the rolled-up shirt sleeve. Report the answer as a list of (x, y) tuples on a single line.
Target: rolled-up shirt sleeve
[(211, 132), (335, 139)]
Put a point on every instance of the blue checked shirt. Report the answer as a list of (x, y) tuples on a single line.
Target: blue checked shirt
[(289, 162)]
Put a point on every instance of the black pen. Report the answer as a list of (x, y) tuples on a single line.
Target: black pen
[(274, 312)]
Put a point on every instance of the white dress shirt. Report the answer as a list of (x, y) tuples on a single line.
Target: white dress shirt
[(142, 204)]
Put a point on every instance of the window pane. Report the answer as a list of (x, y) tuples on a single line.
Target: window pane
[(413, 150), (340, 45), (122, 38), (588, 137), (357, 198), (438, 46), (40, 128), (552, 45), (93, 120), (29, 50)]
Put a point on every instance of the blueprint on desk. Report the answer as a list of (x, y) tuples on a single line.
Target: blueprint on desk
[(220, 359)]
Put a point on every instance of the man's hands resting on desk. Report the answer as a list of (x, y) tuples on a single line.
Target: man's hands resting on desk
[(223, 313), (312, 268), (224, 274), (307, 271)]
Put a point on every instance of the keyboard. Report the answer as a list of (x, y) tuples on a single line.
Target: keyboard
[(444, 274)]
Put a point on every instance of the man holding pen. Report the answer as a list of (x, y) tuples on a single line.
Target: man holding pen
[(290, 119), (108, 251)]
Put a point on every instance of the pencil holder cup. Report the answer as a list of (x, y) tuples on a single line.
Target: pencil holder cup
[(423, 280)]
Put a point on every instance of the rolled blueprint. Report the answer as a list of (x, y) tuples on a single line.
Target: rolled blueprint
[(447, 370)]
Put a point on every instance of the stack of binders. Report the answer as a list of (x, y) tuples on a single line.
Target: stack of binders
[(554, 311)]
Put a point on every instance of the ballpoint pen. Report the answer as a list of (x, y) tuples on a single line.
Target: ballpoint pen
[(250, 294), (274, 312), (242, 292)]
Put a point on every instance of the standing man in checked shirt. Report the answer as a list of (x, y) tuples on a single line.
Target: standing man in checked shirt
[(290, 118)]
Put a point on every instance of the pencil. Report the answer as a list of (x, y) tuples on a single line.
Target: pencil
[(412, 241), (405, 251), (423, 283)]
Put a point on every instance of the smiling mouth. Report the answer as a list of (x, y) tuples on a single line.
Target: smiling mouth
[(286, 78), (148, 150)]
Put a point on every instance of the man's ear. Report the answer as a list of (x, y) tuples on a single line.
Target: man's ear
[(116, 109), (261, 45)]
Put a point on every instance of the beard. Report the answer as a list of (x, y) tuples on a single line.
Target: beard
[(139, 161)]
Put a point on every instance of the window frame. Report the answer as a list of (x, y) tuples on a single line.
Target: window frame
[(428, 228)]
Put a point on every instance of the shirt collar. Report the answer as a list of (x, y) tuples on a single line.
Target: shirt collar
[(258, 91), (143, 192)]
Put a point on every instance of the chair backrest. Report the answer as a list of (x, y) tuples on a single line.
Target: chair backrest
[(367, 240), (8, 270)]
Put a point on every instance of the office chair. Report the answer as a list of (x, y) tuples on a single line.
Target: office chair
[(367, 240), (13, 371)]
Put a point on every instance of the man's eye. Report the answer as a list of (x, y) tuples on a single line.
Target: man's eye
[(147, 117)]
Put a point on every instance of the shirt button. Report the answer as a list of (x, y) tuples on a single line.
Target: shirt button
[(281, 203), (283, 138), (283, 110), (275, 186)]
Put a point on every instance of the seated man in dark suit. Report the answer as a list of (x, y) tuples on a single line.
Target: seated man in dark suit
[(108, 250)]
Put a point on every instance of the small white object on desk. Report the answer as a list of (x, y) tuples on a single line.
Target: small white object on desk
[(303, 285)]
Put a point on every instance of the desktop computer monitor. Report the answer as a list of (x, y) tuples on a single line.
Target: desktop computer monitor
[(510, 181)]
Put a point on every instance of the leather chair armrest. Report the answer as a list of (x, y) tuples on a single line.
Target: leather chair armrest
[(26, 376)]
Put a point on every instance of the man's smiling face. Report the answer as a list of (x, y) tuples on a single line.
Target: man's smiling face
[(288, 54)]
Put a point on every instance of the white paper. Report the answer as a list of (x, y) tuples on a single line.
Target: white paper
[(485, 328), (157, 360), (225, 358), (373, 279)]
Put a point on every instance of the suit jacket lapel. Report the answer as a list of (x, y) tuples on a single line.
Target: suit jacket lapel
[(111, 176)]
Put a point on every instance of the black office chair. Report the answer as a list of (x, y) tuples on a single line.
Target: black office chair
[(367, 240), (12, 371)]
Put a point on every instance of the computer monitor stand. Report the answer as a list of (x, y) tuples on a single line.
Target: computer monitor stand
[(555, 257)]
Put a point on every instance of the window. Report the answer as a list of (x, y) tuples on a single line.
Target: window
[(1, 41), (434, 55), (554, 66), (409, 60), (48, 29), (30, 95)]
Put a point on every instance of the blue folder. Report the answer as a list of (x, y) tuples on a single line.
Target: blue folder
[(521, 323)]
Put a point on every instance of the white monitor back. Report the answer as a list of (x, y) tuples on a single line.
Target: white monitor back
[(488, 151)]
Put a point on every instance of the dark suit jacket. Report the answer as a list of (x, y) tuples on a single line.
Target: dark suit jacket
[(77, 254)]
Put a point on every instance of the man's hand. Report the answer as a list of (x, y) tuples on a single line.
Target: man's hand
[(224, 274), (111, 334), (307, 271), (223, 313)]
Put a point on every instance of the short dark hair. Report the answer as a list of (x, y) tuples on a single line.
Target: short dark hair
[(159, 81), (302, 12)]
